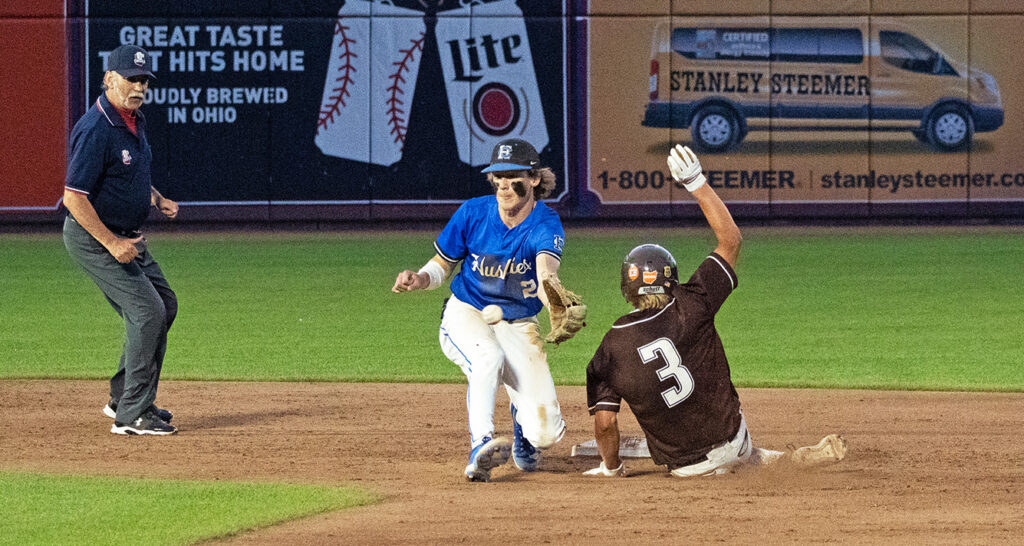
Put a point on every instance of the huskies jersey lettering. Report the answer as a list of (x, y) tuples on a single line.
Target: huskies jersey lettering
[(499, 265), (670, 367)]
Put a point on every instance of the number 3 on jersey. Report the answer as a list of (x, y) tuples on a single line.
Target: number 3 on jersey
[(674, 368)]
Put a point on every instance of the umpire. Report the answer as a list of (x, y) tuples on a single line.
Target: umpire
[(108, 192)]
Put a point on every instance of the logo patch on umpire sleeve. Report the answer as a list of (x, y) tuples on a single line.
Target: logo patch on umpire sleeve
[(126, 157)]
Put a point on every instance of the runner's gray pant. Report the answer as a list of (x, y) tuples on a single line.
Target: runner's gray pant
[(141, 296)]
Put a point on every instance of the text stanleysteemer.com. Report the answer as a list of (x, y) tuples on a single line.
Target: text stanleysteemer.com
[(894, 181)]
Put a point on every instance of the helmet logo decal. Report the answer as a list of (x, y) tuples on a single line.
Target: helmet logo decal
[(633, 273), (668, 272), (650, 277)]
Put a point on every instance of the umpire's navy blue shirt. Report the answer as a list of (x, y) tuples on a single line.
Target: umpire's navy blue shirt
[(111, 165)]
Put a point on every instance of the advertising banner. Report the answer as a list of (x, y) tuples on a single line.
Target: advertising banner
[(393, 102), (870, 113)]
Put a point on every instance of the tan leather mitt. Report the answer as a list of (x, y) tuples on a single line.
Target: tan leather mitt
[(567, 311)]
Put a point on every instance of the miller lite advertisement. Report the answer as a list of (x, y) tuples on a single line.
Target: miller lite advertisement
[(488, 72), (338, 102)]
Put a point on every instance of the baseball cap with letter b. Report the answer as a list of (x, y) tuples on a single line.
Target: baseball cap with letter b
[(513, 154), (129, 60)]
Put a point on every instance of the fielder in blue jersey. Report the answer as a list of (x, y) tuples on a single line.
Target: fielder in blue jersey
[(507, 244)]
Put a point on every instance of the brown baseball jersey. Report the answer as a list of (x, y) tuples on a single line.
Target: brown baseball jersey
[(668, 364)]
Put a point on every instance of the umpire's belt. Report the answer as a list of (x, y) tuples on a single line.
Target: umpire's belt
[(129, 233)]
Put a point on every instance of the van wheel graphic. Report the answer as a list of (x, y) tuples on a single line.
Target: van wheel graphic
[(715, 128), (950, 128)]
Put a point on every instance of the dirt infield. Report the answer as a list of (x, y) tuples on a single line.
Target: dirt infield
[(922, 467)]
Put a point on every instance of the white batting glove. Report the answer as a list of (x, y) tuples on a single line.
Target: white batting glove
[(685, 168), (605, 471)]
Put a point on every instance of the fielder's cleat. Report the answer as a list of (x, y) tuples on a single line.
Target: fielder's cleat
[(489, 454), (831, 448), (524, 455), (148, 423), (110, 410)]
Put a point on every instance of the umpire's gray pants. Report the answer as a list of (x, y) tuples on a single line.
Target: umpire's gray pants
[(140, 294)]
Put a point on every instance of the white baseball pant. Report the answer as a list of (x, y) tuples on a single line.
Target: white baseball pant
[(738, 451), (509, 353)]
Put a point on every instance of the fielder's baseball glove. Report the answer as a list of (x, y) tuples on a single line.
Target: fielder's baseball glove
[(567, 311)]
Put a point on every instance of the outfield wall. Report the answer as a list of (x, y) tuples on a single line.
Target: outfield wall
[(308, 110)]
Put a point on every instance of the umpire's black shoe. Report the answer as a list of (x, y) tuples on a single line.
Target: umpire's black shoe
[(110, 410), (148, 423)]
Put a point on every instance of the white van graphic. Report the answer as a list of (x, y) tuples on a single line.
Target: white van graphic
[(724, 80)]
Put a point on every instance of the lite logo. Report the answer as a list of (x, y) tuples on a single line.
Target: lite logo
[(488, 68), (496, 52)]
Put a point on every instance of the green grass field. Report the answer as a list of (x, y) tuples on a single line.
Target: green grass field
[(57, 509), (849, 308)]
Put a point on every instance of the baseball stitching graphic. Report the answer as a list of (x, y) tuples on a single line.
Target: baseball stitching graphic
[(396, 112), (332, 106)]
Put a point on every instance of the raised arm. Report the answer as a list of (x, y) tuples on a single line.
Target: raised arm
[(429, 277), (686, 169)]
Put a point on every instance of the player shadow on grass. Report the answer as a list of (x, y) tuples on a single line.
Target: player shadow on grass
[(229, 420)]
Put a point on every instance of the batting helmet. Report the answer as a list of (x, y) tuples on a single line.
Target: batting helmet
[(647, 269)]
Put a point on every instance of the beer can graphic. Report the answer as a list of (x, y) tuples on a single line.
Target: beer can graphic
[(370, 82), (490, 78)]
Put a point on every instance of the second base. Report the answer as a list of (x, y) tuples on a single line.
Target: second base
[(630, 447)]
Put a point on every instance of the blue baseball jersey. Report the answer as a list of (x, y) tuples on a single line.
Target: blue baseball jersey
[(499, 265)]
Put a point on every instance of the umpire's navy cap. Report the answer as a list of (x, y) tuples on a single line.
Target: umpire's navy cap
[(129, 60), (513, 154)]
